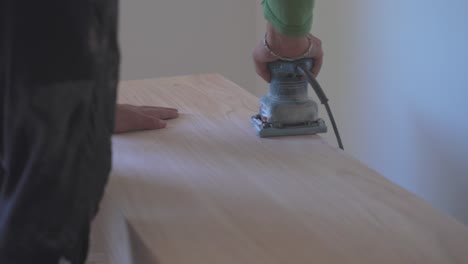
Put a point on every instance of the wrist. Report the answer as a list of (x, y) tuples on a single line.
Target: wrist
[(285, 45)]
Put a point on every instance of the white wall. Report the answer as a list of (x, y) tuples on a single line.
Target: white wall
[(397, 75), (174, 37)]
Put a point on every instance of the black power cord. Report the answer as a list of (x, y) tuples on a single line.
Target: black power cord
[(322, 97)]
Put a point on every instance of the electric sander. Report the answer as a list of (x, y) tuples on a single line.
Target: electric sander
[(287, 109)]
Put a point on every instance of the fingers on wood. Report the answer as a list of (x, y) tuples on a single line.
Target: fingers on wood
[(146, 122)]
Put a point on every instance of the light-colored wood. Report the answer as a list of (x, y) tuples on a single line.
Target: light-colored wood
[(207, 190)]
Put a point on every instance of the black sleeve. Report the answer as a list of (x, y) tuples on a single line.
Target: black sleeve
[(59, 64)]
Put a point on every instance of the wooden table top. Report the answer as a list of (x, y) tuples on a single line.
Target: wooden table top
[(206, 189)]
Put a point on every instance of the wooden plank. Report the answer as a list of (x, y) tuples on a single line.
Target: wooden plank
[(207, 190)]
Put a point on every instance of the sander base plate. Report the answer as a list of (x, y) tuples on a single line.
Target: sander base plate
[(267, 130)]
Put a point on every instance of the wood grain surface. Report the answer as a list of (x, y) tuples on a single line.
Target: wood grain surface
[(207, 190)]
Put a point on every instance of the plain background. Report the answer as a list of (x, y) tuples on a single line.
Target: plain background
[(396, 73)]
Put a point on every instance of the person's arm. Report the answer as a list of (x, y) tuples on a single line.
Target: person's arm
[(292, 18), (289, 23)]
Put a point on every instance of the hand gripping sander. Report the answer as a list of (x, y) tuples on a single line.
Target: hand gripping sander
[(287, 108)]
